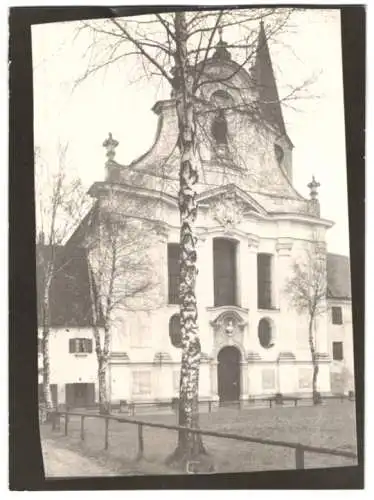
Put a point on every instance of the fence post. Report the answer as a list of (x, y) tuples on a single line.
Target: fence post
[(210, 406), (299, 457), (54, 421), (66, 423), (106, 433), (140, 441), (82, 427)]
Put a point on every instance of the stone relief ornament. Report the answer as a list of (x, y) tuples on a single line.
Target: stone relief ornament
[(228, 325), (228, 210), (229, 328)]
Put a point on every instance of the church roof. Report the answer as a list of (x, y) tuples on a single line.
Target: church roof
[(70, 303), (338, 276), (266, 84)]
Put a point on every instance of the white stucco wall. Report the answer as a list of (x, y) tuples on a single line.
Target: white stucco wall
[(66, 367), (342, 333)]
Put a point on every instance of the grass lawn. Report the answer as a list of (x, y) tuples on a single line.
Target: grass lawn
[(331, 425)]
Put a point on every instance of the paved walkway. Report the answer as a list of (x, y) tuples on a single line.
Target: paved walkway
[(60, 462)]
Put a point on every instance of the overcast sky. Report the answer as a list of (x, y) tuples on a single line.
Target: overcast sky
[(108, 103)]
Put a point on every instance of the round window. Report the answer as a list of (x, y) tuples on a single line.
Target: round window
[(265, 335), (175, 331)]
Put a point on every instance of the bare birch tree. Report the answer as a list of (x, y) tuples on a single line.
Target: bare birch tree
[(175, 48), (121, 278), (60, 204), (307, 290)]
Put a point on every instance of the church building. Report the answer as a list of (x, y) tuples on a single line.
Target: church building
[(252, 227)]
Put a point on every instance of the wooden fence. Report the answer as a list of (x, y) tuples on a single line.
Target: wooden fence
[(300, 449), (131, 407)]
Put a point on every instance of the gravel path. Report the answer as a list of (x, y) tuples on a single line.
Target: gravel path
[(60, 462)]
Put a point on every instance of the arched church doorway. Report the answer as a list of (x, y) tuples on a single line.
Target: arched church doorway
[(229, 374)]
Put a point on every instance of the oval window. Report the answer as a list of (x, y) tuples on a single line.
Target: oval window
[(265, 335), (175, 331)]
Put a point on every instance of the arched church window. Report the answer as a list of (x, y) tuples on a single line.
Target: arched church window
[(219, 129), (279, 153), (265, 333), (175, 331)]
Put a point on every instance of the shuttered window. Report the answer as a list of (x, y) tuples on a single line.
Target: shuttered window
[(337, 351), (337, 315), (264, 281), (77, 346)]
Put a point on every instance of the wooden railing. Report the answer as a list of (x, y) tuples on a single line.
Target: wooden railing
[(300, 449)]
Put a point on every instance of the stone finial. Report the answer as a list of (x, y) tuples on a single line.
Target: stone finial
[(110, 144), (314, 206), (313, 186)]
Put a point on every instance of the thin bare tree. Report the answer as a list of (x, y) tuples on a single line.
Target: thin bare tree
[(307, 290), (121, 277), (176, 48), (60, 204)]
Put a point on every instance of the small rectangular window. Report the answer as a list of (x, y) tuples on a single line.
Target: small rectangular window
[(337, 315), (337, 351)]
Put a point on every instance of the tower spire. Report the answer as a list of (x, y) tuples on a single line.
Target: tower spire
[(220, 31), (266, 83)]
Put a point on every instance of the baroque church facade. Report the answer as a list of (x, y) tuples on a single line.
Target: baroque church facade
[(252, 226)]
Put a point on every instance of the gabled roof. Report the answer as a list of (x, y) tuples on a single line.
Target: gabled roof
[(338, 276), (70, 303), (266, 84)]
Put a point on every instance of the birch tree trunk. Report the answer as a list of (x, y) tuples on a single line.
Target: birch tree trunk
[(189, 445), (103, 390), (316, 398), (45, 344)]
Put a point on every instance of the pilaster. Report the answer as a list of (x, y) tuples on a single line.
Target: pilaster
[(286, 326), (251, 278), (214, 380), (244, 379), (204, 282)]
